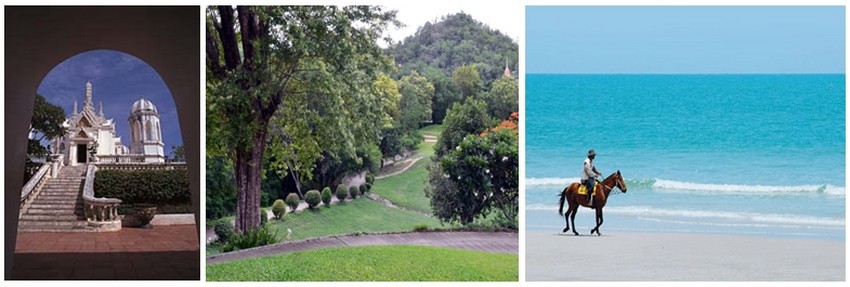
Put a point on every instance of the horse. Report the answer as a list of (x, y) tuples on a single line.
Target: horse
[(570, 193)]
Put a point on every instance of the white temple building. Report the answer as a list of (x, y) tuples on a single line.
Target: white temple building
[(88, 131)]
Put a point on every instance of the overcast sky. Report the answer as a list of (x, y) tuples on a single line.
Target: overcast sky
[(118, 79), (505, 17)]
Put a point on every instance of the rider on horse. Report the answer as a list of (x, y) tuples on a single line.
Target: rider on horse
[(589, 174)]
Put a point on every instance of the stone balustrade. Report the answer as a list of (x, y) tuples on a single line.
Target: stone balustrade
[(33, 186), (101, 213), (124, 158), (140, 166)]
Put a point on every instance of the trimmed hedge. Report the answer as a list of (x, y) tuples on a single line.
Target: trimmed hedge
[(158, 187), (292, 200), (363, 189), (313, 198), (327, 195), (278, 208), (264, 217), (341, 192), (370, 179), (354, 191)]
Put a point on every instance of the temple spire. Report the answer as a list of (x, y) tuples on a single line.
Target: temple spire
[(75, 107), (88, 102), (101, 109)]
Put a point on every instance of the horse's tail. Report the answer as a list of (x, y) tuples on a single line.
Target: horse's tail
[(561, 201)]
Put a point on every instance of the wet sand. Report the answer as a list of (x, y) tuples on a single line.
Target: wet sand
[(625, 256)]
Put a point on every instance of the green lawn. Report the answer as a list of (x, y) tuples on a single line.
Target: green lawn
[(372, 263), (425, 149), (406, 189), (361, 215), (434, 130)]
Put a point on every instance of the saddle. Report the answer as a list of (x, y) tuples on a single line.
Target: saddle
[(582, 188)]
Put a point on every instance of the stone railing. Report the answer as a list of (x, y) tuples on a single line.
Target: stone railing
[(101, 213), (127, 158), (33, 186), (141, 166)]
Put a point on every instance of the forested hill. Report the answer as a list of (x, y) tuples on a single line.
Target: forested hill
[(454, 41)]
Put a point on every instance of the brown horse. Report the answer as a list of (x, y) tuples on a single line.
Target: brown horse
[(570, 193)]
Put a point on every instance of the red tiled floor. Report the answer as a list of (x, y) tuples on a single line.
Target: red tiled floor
[(165, 252)]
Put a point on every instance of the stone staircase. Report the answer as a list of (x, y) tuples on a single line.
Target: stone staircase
[(59, 205)]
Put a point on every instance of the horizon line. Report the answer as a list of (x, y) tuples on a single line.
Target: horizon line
[(684, 74)]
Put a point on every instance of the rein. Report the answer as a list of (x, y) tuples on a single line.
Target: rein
[(611, 188)]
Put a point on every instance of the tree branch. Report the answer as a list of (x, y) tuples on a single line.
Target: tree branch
[(213, 58), (228, 37), (248, 34)]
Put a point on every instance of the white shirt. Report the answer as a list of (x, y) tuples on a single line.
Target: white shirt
[(587, 171)]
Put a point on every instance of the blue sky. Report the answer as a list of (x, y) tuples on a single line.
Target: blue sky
[(684, 40), (118, 79)]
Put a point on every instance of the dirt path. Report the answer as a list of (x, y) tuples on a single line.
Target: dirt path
[(494, 242)]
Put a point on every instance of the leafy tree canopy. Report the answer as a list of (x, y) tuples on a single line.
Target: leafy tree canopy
[(318, 63), (46, 123), (453, 41)]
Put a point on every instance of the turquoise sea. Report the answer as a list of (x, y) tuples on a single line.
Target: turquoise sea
[(759, 155)]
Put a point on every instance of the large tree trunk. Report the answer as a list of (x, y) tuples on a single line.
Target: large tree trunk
[(249, 171)]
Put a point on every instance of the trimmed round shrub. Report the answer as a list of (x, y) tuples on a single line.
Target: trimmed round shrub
[(326, 196), (363, 189), (341, 192), (368, 186), (292, 200), (354, 191), (224, 230), (264, 217), (313, 198), (370, 179), (278, 208)]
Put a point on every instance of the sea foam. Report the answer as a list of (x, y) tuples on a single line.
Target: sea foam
[(673, 186)]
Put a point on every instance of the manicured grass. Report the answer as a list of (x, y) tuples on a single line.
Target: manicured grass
[(372, 263), (406, 189), (361, 215), (425, 149), (434, 130)]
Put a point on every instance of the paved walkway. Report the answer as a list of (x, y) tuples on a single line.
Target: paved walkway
[(495, 242), (411, 163), (164, 252)]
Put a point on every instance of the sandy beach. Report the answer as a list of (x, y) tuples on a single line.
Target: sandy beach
[(624, 256)]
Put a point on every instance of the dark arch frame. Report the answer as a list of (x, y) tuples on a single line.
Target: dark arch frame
[(39, 38)]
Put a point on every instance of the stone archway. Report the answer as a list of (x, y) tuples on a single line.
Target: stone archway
[(166, 38)]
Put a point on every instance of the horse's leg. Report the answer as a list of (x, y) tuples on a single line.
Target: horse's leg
[(598, 222), (567, 219), (574, 210)]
